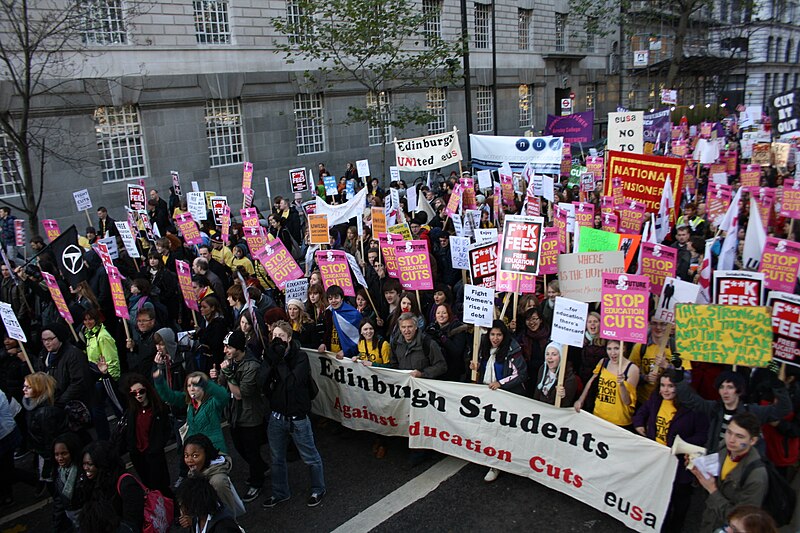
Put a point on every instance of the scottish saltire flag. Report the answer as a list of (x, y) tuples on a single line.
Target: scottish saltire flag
[(346, 320)]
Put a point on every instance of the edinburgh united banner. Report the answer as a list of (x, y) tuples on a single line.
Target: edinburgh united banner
[(428, 153)]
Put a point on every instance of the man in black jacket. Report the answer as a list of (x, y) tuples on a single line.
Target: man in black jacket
[(66, 364), (288, 387)]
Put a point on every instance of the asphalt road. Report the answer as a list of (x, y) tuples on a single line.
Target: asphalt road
[(385, 495)]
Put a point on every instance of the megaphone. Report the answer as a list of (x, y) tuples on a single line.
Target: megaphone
[(692, 451)]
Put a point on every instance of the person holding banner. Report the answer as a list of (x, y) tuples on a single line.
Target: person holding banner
[(373, 350), (533, 338), (453, 338), (302, 324), (594, 347), (415, 351), (615, 393), (341, 325), (547, 388), (662, 418), (500, 365)]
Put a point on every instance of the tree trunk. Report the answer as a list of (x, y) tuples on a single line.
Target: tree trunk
[(680, 38)]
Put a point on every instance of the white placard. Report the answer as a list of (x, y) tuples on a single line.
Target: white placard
[(13, 328), (362, 166), (485, 235), (411, 198), (82, 200), (127, 238), (484, 179), (195, 187), (297, 289), (674, 291), (569, 321), (394, 173), (196, 203), (626, 132), (720, 178), (570, 209), (458, 224), (459, 247), (478, 306), (547, 188), (111, 246)]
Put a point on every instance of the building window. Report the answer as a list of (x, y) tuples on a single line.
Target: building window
[(437, 108), (525, 16), (561, 30), (103, 22), (379, 105), (481, 26), (485, 109), (432, 30), (591, 29), (308, 119), (785, 82), (118, 131), (224, 132), (769, 48), (9, 169), (789, 46), (211, 22), (525, 106), (778, 46), (591, 95), (294, 15)]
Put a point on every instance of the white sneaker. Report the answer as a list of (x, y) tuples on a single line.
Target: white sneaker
[(491, 475)]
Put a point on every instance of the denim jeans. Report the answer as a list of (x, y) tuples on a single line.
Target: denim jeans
[(300, 431)]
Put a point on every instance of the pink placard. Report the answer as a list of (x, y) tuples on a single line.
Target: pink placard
[(717, 201), (335, 270), (247, 177), (225, 219), (790, 207), (279, 263), (607, 205), (631, 216), (780, 261), (468, 200), (256, 240), (507, 188), (387, 241), (496, 202), (624, 300), (548, 262), (534, 206), (249, 216), (51, 229), (750, 175), (102, 250), (117, 293), (185, 281), (584, 214), (455, 198), (19, 232), (188, 228), (58, 298), (658, 263), (414, 265), (765, 199), (610, 222), (248, 197), (560, 225), (594, 164)]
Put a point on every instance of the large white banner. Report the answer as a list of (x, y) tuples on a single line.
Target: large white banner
[(363, 398), (621, 474), (427, 153), (543, 153), (340, 213)]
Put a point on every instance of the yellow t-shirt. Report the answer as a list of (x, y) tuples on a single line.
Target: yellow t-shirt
[(646, 362), (335, 346), (377, 356), (245, 263), (608, 404), (663, 419), (727, 466)]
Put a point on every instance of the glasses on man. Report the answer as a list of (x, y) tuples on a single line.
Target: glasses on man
[(48, 339)]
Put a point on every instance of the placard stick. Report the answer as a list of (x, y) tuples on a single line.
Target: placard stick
[(621, 355), (516, 303), (782, 373), (194, 318), (127, 331), (25, 355), (476, 342), (74, 333), (505, 305), (88, 217), (419, 303), (562, 369)]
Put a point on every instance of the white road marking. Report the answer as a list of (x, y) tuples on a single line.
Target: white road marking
[(393, 503)]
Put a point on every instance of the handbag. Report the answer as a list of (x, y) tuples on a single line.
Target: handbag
[(158, 508), (78, 415), (183, 430)]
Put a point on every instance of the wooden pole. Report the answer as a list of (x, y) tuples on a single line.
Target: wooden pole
[(476, 342), (25, 355), (419, 303), (127, 330), (505, 305), (194, 318), (562, 370), (88, 218), (74, 333), (516, 304)]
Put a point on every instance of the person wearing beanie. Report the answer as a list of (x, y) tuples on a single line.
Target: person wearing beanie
[(547, 388), (66, 364), (239, 372)]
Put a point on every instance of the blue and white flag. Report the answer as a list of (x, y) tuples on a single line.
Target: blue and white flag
[(346, 320)]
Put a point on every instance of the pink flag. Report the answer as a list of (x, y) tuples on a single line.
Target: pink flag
[(117, 293), (58, 298), (185, 281)]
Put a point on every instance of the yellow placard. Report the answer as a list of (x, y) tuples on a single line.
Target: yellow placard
[(401, 229), (318, 229), (724, 334)]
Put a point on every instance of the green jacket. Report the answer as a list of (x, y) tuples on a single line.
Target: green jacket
[(207, 418), (100, 342)]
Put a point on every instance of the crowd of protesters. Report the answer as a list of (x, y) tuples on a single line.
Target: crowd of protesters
[(179, 375)]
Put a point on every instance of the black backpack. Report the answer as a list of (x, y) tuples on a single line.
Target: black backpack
[(780, 499)]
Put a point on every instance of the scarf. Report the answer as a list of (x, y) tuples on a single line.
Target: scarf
[(589, 336), (489, 376), (66, 480), (548, 380)]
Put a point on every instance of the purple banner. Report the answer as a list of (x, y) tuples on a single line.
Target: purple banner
[(657, 127), (575, 128)]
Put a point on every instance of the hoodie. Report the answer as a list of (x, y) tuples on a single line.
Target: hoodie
[(218, 475), (169, 341)]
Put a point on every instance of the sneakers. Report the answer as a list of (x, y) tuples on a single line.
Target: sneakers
[(491, 475), (272, 501), (251, 494), (315, 499)]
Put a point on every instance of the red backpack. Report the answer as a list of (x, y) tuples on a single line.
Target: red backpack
[(157, 508)]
